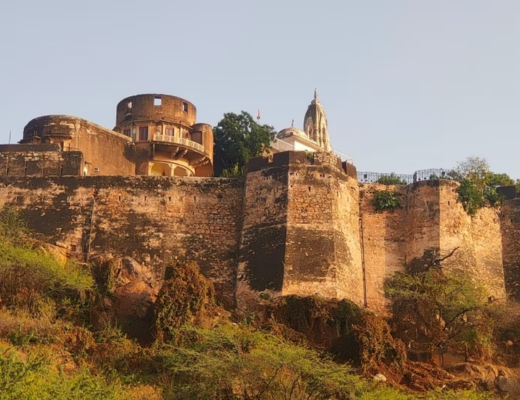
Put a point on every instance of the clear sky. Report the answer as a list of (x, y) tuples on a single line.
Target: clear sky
[(406, 84)]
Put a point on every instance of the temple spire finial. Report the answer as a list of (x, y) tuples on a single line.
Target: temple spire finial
[(292, 123), (315, 94)]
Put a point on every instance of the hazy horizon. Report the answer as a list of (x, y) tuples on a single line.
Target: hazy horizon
[(406, 85)]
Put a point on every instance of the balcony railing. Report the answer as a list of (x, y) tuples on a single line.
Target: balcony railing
[(178, 140)]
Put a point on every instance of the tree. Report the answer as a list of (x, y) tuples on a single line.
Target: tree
[(440, 306), (495, 180), (474, 168), (238, 137), (478, 184)]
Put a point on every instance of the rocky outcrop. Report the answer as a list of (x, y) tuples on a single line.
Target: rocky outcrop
[(129, 291)]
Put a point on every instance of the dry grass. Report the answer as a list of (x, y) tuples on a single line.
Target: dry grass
[(22, 325)]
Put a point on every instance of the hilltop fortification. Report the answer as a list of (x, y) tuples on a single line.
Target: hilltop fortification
[(297, 223)]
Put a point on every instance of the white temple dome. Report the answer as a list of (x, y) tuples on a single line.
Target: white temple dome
[(292, 131)]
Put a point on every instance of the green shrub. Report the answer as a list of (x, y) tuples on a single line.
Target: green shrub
[(12, 226), (34, 281), (34, 379), (392, 179), (471, 196), (386, 200), (236, 171), (449, 309), (183, 298), (491, 196)]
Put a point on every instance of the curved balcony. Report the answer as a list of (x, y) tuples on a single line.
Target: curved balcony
[(177, 140)]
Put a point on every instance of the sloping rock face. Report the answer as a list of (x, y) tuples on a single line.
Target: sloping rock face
[(130, 290)]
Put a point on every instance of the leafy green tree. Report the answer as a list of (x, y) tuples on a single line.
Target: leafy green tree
[(392, 179), (471, 196), (495, 180), (440, 306), (478, 184), (238, 137)]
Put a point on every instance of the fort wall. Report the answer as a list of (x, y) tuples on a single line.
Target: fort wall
[(383, 238), (264, 230), (293, 225), (477, 239), (422, 220), (155, 220), (300, 233), (510, 237), (38, 160)]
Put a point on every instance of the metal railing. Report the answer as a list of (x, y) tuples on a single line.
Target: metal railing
[(178, 140), (432, 174), (418, 176), (374, 177)]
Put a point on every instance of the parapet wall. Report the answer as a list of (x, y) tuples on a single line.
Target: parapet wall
[(21, 160)]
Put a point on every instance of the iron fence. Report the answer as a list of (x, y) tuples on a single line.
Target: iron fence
[(417, 176), (374, 177), (432, 174)]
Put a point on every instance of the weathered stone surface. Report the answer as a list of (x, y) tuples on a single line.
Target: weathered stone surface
[(510, 237), (154, 220), (296, 225)]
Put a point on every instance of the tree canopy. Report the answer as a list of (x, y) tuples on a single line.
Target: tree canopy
[(478, 184), (238, 137)]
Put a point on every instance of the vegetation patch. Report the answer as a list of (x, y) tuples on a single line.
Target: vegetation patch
[(184, 297), (391, 179), (440, 310), (386, 200)]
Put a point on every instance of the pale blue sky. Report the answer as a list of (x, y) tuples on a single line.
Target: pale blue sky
[(406, 84)]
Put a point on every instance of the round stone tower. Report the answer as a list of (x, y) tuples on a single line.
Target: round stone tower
[(168, 140)]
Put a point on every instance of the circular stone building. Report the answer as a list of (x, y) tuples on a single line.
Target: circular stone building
[(168, 140), (155, 134)]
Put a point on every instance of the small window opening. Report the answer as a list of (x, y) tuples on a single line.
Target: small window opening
[(157, 102), (119, 198), (194, 198), (185, 107), (73, 248), (449, 202), (129, 105), (169, 198), (309, 189), (143, 133), (144, 198), (127, 132)]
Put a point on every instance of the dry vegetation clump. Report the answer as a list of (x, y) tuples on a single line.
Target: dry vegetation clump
[(185, 298)]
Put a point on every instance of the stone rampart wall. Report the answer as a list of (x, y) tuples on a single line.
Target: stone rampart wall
[(476, 238), (155, 220), (292, 226), (383, 237), (21, 160), (510, 237)]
